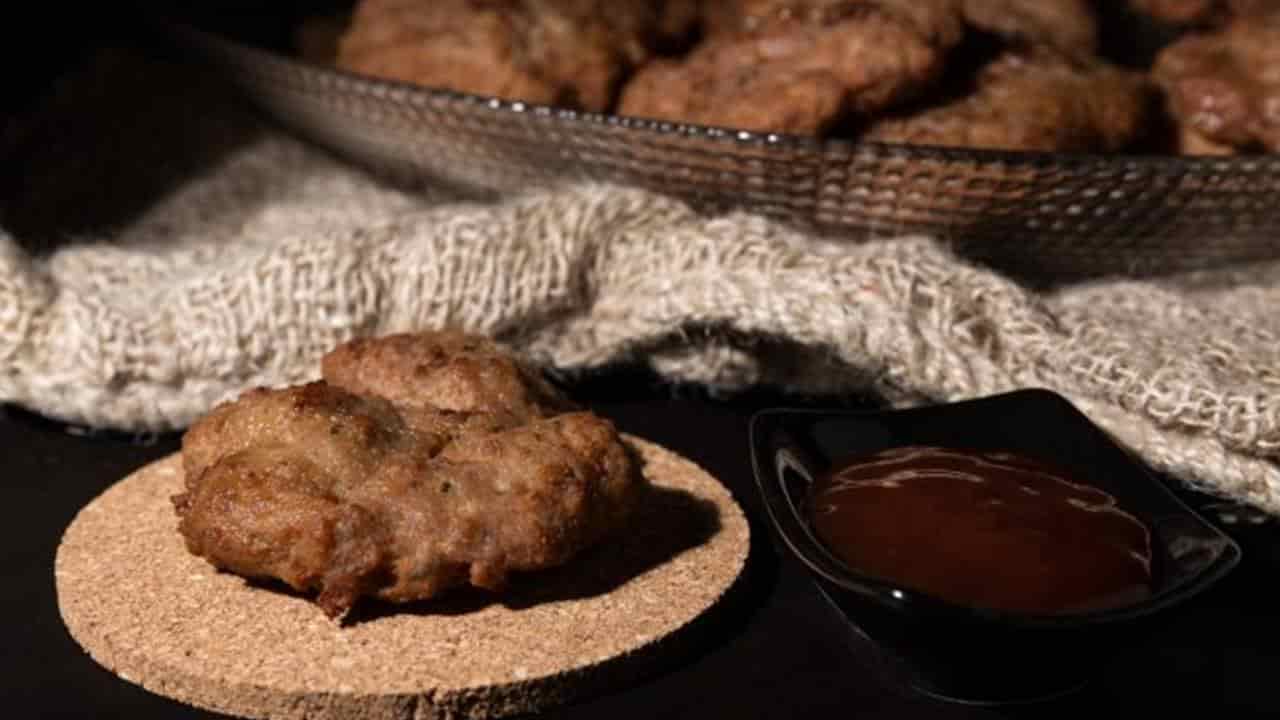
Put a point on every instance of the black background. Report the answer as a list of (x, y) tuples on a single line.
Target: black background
[(775, 650)]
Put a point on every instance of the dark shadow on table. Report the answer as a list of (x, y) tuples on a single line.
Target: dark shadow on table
[(685, 648)]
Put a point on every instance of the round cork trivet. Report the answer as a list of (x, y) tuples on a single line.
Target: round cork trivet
[(155, 615)]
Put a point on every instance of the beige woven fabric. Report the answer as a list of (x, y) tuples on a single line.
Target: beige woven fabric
[(248, 266)]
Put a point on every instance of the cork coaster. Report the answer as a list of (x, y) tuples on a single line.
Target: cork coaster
[(155, 615)]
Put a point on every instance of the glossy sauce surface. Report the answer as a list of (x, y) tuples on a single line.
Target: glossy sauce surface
[(990, 530)]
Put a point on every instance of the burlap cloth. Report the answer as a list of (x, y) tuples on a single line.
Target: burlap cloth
[(161, 250)]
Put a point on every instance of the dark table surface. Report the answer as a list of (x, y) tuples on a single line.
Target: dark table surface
[(775, 650)]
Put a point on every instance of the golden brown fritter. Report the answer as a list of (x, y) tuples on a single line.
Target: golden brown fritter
[(344, 434), (799, 66), (1223, 87), (935, 19), (1178, 12), (269, 512), (446, 370), (1032, 102), (724, 17), (564, 52), (492, 503), (1067, 26), (359, 495), (1202, 12), (804, 102)]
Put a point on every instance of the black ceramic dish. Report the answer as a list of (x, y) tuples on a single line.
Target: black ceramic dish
[(917, 641)]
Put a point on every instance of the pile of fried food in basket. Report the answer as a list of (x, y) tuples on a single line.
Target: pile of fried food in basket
[(1003, 74)]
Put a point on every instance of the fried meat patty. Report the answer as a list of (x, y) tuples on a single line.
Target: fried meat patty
[(1222, 87), (385, 493), (445, 371), (565, 52), (1201, 12), (799, 66), (1067, 26), (1039, 101)]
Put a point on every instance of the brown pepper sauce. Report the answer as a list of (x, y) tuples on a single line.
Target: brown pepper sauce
[(990, 530)]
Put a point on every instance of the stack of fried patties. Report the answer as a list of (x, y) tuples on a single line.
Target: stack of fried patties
[(570, 53), (986, 73), (1005, 74), (1015, 74), (421, 462)]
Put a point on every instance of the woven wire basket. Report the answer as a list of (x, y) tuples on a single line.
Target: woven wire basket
[(1042, 216)]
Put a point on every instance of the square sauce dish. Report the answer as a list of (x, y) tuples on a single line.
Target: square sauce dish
[(988, 551)]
